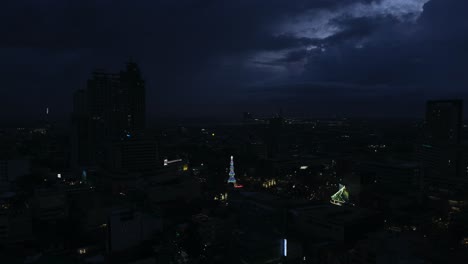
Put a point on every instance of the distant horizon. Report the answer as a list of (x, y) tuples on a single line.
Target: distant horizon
[(212, 120)]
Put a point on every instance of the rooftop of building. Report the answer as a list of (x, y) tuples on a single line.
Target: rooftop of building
[(395, 164), (267, 200), (333, 213)]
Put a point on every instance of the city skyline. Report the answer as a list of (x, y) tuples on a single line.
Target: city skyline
[(236, 131), (318, 59)]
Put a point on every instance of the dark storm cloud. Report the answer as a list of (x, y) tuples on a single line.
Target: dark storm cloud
[(357, 29), (195, 52), (57, 43), (409, 62), (429, 53), (99, 24), (294, 56)]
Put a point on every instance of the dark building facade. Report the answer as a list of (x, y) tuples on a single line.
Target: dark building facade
[(134, 155), (111, 107), (440, 152), (444, 121), (132, 98)]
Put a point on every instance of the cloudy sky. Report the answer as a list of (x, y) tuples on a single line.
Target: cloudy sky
[(221, 57)]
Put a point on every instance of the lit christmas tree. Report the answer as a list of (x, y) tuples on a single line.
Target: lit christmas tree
[(232, 179)]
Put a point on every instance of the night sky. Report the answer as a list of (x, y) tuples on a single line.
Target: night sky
[(213, 58)]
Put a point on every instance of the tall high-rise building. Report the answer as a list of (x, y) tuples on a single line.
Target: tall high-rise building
[(444, 121), (118, 100), (133, 104), (101, 102), (440, 152), (110, 108)]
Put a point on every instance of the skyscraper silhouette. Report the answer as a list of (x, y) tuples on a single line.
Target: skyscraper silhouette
[(133, 98), (444, 121), (440, 152), (110, 108)]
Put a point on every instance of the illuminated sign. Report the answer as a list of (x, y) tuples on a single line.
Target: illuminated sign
[(167, 162), (285, 247)]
